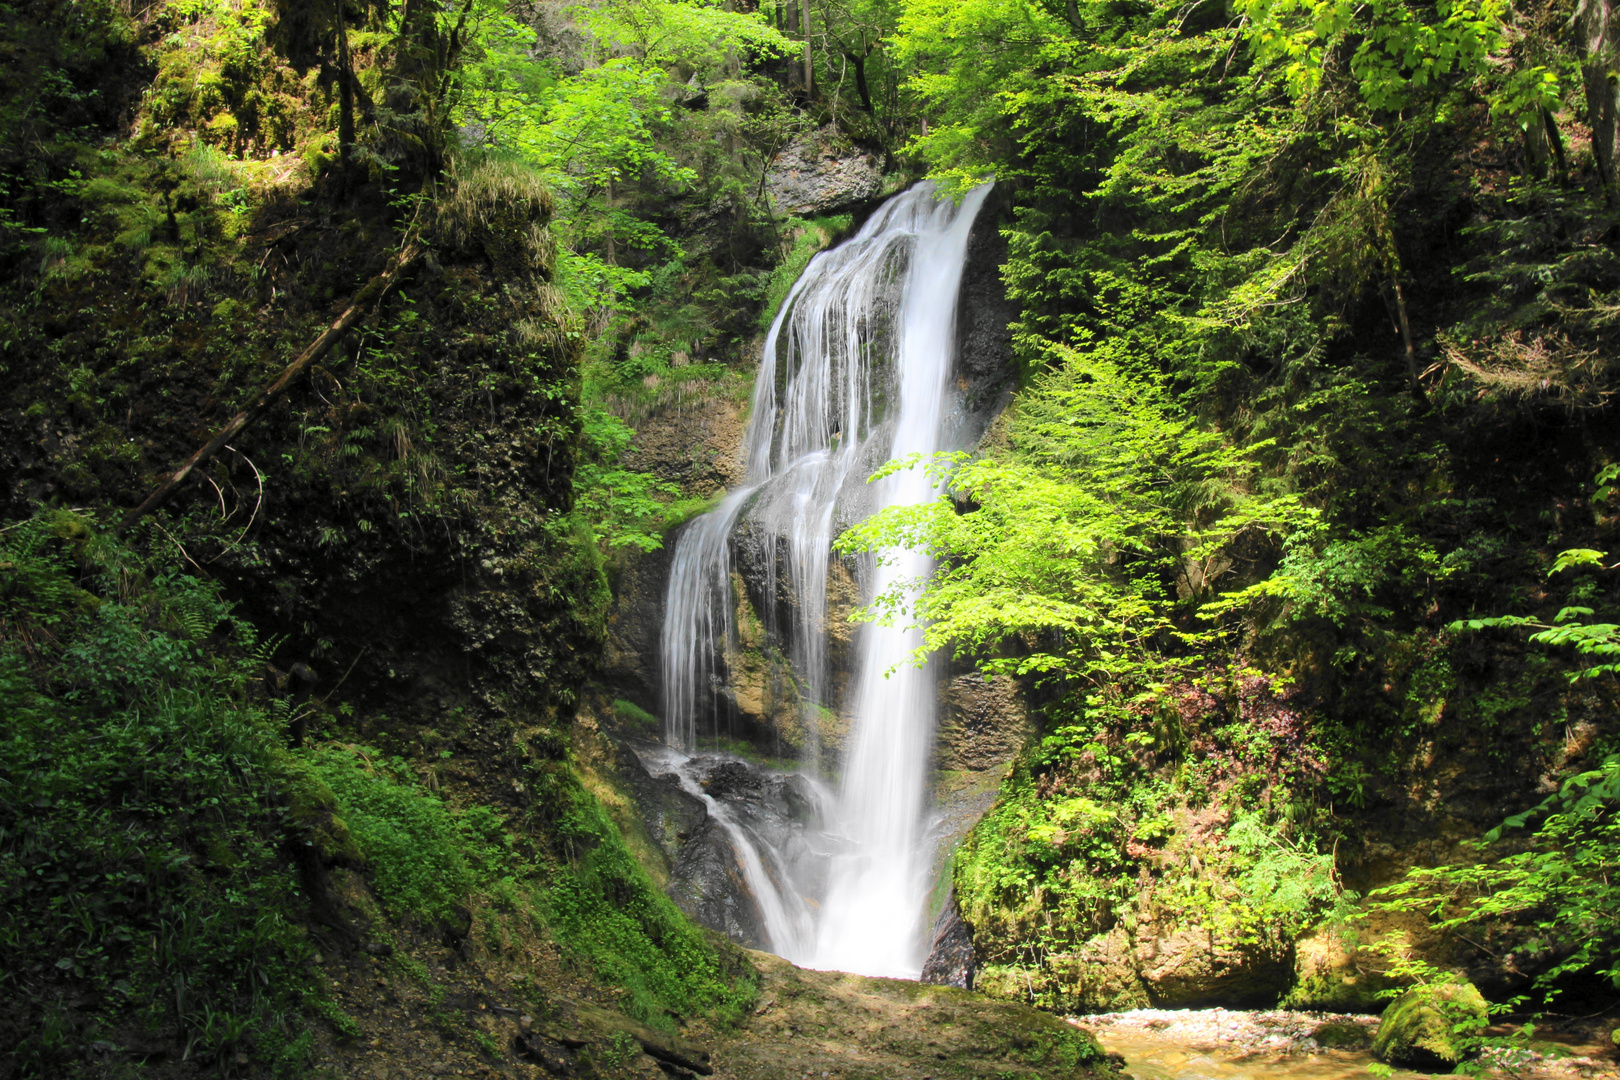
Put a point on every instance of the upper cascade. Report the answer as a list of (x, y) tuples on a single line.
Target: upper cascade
[(856, 371)]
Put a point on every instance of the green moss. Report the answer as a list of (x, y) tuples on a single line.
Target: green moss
[(1332, 992), (637, 717), (603, 908), (417, 849), (1437, 1023), (809, 237)]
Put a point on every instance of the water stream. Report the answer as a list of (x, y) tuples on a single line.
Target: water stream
[(855, 372), (1273, 1044)]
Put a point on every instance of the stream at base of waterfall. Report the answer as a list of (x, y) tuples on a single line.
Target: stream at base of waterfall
[(856, 371)]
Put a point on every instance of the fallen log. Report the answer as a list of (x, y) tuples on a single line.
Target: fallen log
[(364, 301)]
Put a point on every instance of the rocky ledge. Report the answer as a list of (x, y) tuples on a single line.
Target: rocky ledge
[(827, 1024)]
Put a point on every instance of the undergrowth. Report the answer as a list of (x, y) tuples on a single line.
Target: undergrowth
[(148, 798), (142, 804)]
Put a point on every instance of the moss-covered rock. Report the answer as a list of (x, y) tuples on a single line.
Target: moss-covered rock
[(1430, 1025), (867, 1029), (1329, 977)]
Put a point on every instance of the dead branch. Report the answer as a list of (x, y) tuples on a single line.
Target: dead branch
[(362, 304)]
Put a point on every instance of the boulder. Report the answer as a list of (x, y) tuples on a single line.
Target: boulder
[(1420, 1028), (823, 172), (1328, 975), (1190, 965)]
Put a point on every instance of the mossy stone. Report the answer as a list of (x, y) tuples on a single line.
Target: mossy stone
[(1421, 1026)]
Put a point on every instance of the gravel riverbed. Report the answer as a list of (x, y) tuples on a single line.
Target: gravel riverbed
[(1276, 1044), (1274, 1031)]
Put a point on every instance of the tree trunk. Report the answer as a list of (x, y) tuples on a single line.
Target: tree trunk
[(809, 70), (859, 60), (1536, 150), (1556, 141), (345, 101), (1599, 33), (363, 302), (1412, 372)]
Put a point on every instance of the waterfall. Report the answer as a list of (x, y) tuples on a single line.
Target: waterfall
[(855, 371)]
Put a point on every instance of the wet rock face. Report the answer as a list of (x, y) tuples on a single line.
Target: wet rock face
[(823, 172), (984, 377), (696, 443), (771, 804), (672, 814), (767, 689), (701, 814), (708, 884), (950, 958), (983, 723), (630, 658)]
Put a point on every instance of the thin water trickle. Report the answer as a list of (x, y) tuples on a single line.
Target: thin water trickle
[(855, 372)]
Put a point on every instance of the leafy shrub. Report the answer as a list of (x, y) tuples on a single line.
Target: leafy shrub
[(140, 807)]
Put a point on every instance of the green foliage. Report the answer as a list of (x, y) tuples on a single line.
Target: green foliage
[(422, 857), (1562, 891), (610, 125), (1559, 887), (1261, 381), (1289, 887), (622, 505), (603, 908), (1596, 644), (142, 808), (809, 237), (1069, 557), (1197, 811)]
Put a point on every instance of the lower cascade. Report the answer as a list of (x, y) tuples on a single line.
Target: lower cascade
[(856, 371)]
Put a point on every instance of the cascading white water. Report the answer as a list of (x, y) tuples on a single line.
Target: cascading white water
[(855, 372)]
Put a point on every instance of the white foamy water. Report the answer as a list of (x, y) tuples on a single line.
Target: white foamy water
[(855, 372)]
